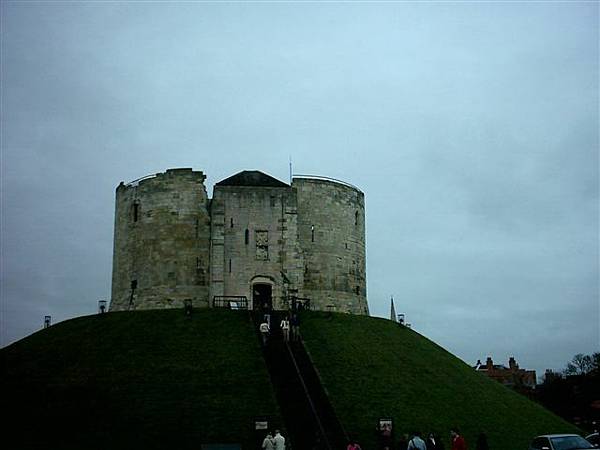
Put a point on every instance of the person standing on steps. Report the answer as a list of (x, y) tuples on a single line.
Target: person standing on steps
[(285, 328), (264, 332), (295, 323), (416, 443), (268, 442), (279, 441), (266, 313), (458, 442), (434, 442)]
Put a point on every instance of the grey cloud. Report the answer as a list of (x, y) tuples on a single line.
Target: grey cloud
[(471, 128)]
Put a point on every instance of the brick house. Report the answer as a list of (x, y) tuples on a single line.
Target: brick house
[(511, 376)]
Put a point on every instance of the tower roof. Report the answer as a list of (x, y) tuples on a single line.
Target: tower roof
[(252, 178)]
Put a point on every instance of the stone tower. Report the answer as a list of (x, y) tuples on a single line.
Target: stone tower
[(331, 224), (259, 239), (161, 242)]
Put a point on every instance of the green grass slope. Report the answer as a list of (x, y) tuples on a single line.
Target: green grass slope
[(374, 368), (138, 380)]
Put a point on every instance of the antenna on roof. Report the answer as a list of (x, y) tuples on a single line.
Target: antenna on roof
[(290, 169)]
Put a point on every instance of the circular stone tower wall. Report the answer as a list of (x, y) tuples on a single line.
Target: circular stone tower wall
[(331, 229), (161, 242)]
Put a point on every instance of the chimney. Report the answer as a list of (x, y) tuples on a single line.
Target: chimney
[(489, 364)]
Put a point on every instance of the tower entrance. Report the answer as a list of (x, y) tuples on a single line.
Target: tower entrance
[(262, 296)]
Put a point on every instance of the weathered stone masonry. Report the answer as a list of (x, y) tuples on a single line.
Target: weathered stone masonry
[(257, 238)]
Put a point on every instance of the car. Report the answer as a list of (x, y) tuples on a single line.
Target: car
[(560, 442), (594, 438)]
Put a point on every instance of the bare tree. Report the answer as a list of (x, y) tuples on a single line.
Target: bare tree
[(596, 362), (580, 365)]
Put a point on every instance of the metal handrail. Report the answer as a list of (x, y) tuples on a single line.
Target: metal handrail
[(226, 301), (320, 177), (317, 373), (136, 182), (308, 397)]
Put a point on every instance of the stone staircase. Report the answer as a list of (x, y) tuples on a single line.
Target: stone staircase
[(310, 420)]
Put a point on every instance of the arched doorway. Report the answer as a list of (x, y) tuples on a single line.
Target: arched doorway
[(262, 296)]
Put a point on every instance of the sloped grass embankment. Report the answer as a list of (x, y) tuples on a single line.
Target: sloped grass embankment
[(136, 380), (374, 368)]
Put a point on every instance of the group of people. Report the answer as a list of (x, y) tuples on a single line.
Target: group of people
[(290, 328), (415, 441), (276, 442)]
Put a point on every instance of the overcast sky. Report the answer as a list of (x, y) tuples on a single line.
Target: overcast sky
[(471, 127)]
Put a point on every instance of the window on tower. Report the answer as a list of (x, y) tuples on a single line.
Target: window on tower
[(136, 210), (262, 245)]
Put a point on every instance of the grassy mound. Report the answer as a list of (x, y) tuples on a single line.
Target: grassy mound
[(374, 368), (144, 379), (159, 379)]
